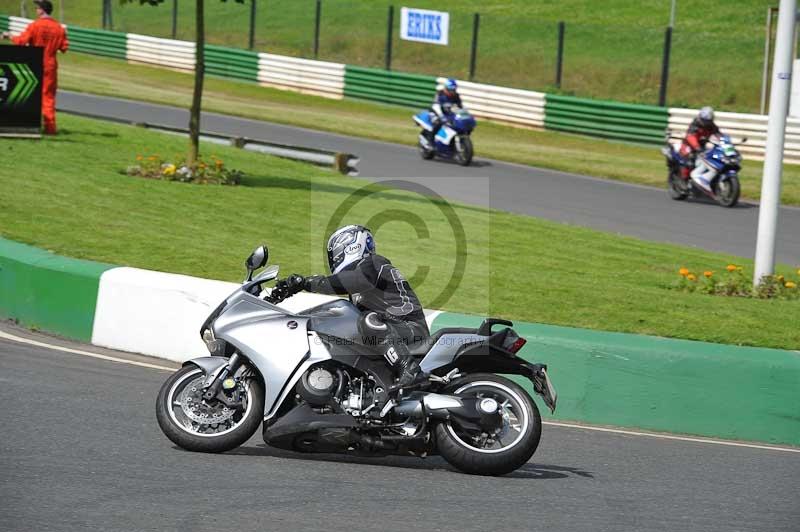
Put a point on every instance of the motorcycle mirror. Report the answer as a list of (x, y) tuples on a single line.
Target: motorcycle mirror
[(257, 259)]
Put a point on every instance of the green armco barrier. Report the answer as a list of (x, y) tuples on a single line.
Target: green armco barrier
[(49, 292), (662, 384), (97, 42), (3, 23), (231, 62), (601, 118), (389, 87)]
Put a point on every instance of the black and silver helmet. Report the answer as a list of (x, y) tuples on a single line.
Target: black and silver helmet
[(706, 115), (347, 245)]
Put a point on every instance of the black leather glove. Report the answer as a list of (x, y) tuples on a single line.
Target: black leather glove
[(287, 287), (294, 283), (280, 292)]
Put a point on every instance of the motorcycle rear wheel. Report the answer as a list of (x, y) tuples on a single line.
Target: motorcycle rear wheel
[(425, 153), (186, 421), (727, 192), (499, 454), (677, 190)]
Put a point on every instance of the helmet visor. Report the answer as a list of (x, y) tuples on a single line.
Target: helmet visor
[(336, 249)]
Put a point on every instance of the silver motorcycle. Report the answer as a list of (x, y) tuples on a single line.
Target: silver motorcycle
[(317, 385)]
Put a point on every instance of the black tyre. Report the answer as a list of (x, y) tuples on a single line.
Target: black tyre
[(200, 426), (727, 191), (676, 186), (464, 155), (500, 453), (424, 152)]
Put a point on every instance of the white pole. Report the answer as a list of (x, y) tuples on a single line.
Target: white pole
[(765, 74), (672, 14), (776, 130)]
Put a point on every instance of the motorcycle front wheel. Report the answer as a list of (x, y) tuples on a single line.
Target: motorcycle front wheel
[(212, 426), (727, 191), (676, 186), (506, 449), (463, 156)]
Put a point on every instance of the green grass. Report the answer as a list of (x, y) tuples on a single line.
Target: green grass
[(559, 151), (612, 48), (68, 194)]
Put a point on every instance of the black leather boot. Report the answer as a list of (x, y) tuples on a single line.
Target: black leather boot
[(410, 375)]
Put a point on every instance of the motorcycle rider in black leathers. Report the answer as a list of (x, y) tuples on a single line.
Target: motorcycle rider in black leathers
[(392, 316)]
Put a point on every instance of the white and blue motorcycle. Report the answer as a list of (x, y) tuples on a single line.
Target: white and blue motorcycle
[(715, 173), (316, 385), (451, 141)]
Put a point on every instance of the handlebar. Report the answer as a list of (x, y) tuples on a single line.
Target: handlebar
[(275, 297), (280, 293)]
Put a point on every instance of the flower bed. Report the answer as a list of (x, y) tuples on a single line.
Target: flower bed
[(201, 172), (733, 282)]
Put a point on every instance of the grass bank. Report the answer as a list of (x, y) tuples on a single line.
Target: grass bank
[(80, 204), (612, 49), (559, 151)]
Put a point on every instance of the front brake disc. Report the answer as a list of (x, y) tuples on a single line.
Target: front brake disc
[(198, 410)]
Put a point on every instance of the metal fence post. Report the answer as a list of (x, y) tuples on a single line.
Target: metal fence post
[(252, 41), (389, 26), (662, 93), (476, 22), (560, 55), (174, 18), (316, 29), (106, 13), (110, 15)]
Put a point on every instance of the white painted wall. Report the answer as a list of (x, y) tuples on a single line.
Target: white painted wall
[(160, 314), (154, 313)]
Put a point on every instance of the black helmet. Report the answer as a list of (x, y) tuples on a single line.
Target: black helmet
[(347, 245)]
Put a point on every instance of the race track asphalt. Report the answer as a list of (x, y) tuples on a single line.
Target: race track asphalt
[(81, 451), (633, 210)]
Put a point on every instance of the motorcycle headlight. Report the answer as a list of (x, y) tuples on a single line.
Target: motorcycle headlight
[(215, 347)]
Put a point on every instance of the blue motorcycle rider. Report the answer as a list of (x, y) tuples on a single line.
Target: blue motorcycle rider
[(442, 106), (392, 316)]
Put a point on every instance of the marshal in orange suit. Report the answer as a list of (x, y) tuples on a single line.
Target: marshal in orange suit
[(46, 32)]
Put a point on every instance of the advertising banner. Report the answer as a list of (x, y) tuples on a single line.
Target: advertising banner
[(422, 25), (20, 90)]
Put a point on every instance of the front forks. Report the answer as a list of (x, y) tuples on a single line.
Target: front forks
[(213, 383)]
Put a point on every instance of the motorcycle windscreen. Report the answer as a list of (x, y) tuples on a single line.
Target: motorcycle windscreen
[(464, 122)]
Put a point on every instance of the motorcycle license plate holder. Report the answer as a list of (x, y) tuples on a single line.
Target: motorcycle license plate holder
[(544, 387)]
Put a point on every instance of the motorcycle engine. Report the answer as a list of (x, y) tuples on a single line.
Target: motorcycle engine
[(317, 386)]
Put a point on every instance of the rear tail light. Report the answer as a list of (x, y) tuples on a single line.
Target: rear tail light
[(517, 345)]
